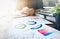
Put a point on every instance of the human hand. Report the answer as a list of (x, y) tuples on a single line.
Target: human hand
[(27, 11)]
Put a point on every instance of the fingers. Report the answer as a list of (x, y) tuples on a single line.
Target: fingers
[(29, 11)]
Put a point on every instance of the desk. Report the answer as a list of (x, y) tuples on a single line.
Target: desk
[(41, 20), (15, 31)]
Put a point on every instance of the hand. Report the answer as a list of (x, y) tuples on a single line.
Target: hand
[(29, 11)]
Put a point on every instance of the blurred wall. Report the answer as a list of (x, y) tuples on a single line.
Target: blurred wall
[(7, 10), (48, 3)]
